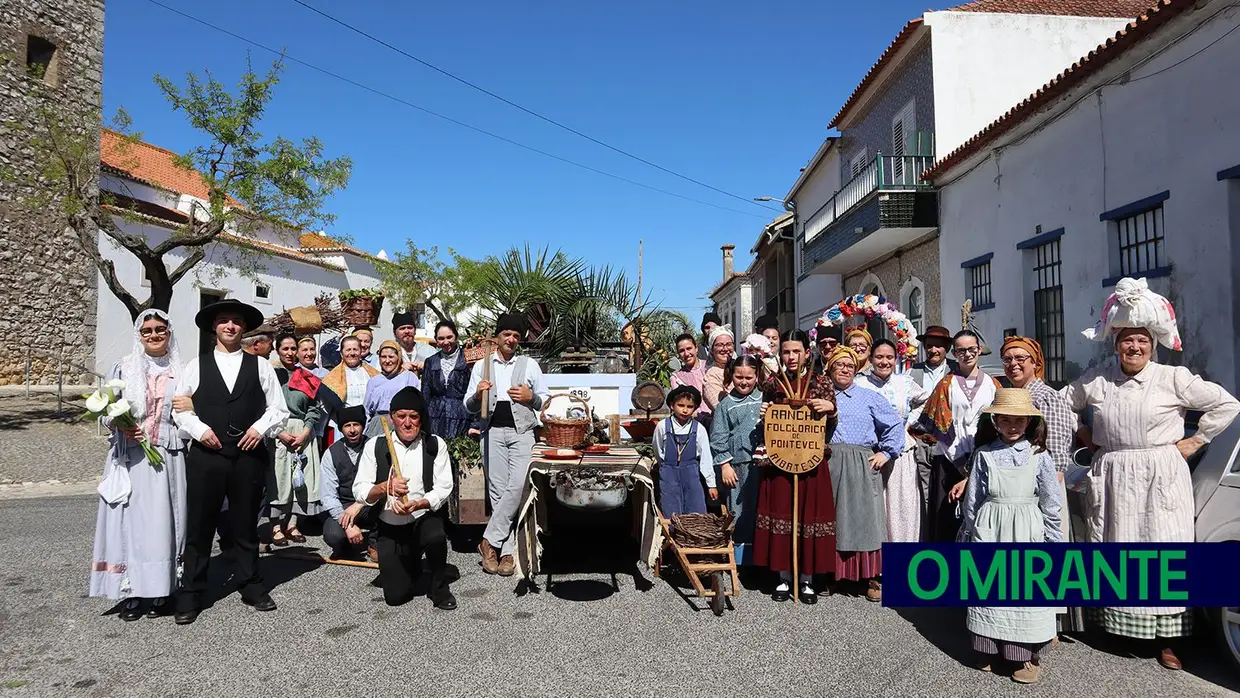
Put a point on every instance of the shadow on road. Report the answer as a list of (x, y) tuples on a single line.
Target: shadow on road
[(1203, 654), (944, 628)]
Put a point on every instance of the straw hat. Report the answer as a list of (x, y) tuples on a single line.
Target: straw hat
[(1013, 402)]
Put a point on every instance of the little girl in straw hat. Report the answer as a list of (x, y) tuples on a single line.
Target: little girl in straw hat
[(1012, 497)]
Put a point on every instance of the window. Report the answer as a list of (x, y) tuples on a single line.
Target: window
[(1140, 239), (916, 316), (903, 130), (262, 293), (858, 162), (977, 280), (1048, 309), (41, 59)]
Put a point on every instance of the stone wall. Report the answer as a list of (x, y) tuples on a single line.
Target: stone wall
[(898, 272), (48, 287)]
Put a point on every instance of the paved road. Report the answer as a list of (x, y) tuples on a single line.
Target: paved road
[(333, 635)]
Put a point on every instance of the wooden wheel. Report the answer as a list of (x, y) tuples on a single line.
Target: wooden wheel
[(719, 599)]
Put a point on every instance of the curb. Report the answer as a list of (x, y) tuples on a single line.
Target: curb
[(48, 488)]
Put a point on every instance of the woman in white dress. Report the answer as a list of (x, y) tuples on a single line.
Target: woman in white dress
[(1139, 486), (900, 482), (139, 536), (951, 416)]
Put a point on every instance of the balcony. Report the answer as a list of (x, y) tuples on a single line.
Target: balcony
[(885, 206)]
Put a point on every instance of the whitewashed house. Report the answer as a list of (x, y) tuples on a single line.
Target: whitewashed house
[(733, 296), (292, 273), (866, 220), (1125, 164)]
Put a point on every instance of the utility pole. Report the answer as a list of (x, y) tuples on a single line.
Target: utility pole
[(639, 345)]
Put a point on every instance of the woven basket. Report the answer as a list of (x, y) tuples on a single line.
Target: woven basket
[(306, 320), (478, 349), (563, 432), (362, 312), (702, 530)]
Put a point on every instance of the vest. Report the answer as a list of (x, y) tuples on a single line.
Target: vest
[(229, 414), (346, 470), (383, 463), (523, 417)]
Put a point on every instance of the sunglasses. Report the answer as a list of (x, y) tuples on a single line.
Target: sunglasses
[(153, 331)]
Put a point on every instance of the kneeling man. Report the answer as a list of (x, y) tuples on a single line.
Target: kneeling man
[(411, 520), (349, 526)]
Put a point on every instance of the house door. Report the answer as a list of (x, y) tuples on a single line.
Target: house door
[(206, 340)]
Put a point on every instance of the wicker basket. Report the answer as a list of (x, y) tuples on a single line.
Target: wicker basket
[(564, 432), (306, 320), (702, 530), (362, 312), (478, 349)]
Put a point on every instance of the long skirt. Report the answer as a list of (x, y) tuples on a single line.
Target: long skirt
[(861, 521), (743, 500), (138, 544), (772, 539), (903, 499), (1141, 495), (1073, 618), (284, 493)]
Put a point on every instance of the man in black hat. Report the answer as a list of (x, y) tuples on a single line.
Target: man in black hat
[(407, 478), (349, 522), (259, 340), (827, 338), (237, 404), (412, 352), (517, 391), (710, 320)]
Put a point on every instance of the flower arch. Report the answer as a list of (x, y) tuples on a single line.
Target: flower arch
[(866, 306)]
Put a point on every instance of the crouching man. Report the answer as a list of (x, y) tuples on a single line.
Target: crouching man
[(411, 517), (349, 527)]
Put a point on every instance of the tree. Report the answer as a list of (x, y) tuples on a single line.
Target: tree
[(421, 275), (252, 183)]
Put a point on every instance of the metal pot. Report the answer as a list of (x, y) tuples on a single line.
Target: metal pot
[(591, 492)]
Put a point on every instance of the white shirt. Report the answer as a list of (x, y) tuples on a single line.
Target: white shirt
[(355, 385), (501, 379), (410, 459), (706, 462), (274, 416)]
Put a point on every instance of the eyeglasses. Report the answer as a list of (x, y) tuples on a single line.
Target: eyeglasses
[(155, 331), (966, 351), (1013, 360)]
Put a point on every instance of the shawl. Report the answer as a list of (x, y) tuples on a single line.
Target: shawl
[(338, 383), (936, 416)]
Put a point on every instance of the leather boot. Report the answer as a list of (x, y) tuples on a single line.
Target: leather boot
[(490, 563)]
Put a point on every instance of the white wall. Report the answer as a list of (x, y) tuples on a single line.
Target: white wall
[(984, 64), (816, 292), (1171, 131)]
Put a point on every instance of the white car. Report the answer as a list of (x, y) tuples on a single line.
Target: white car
[(1216, 491)]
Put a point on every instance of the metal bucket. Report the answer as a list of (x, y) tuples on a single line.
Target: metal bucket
[(587, 490)]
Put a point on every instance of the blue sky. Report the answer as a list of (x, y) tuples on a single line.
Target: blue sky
[(735, 94)]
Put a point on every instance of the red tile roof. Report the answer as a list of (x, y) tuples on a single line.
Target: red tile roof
[(1068, 8), (1144, 25), (317, 242)]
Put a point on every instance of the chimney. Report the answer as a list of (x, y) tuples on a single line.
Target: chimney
[(727, 261)]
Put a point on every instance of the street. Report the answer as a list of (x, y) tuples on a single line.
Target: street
[(333, 635)]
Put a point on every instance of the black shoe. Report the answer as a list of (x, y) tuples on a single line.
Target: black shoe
[(445, 601), (808, 598), (159, 608), (186, 617), (377, 582), (781, 595), (131, 611), (262, 603)]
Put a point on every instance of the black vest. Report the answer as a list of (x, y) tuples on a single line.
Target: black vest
[(346, 471), (229, 414), (383, 463)]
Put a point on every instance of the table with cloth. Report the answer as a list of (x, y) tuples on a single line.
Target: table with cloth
[(622, 462)]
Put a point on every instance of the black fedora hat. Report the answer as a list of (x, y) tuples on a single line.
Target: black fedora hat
[(251, 316)]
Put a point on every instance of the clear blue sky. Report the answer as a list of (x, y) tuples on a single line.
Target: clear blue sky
[(735, 94)]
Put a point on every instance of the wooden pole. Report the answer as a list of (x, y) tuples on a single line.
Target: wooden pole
[(796, 567), (387, 433), (486, 376)]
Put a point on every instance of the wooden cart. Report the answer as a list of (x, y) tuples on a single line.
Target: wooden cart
[(717, 563)]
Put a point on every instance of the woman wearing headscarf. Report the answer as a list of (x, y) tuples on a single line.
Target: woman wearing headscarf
[(1140, 489), (860, 341), (1025, 368), (868, 435), (772, 538), (140, 534), (392, 379), (722, 347), (293, 478), (445, 378), (951, 416)]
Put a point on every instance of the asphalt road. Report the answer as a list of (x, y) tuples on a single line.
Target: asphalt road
[(333, 635)]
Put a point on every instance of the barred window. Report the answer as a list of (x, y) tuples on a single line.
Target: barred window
[(979, 281), (1140, 240), (1048, 309)]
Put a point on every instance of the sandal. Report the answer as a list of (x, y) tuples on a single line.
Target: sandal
[(296, 536), (277, 537)]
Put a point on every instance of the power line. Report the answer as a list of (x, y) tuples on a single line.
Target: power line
[(527, 110), (449, 119)]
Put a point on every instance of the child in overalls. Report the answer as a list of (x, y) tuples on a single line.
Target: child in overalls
[(682, 455)]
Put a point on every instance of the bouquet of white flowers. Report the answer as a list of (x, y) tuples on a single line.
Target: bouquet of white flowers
[(107, 402)]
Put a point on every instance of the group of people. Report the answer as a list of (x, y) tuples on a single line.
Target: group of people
[(942, 451), (359, 449)]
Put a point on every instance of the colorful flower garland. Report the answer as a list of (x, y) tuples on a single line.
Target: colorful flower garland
[(870, 306)]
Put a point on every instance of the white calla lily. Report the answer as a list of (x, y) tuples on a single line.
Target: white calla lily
[(118, 408), (116, 385), (96, 402)]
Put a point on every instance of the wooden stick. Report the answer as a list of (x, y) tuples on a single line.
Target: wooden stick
[(486, 376), (796, 566), (329, 560), (387, 432)]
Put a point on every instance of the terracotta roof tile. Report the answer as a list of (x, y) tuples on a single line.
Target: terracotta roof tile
[(150, 164), (1144, 25), (317, 242)]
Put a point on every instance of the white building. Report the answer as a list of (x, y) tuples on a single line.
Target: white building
[(866, 221), (295, 269), (733, 297), (1126, 164)]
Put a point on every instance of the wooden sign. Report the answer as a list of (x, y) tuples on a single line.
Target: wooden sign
[(795, 440)]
